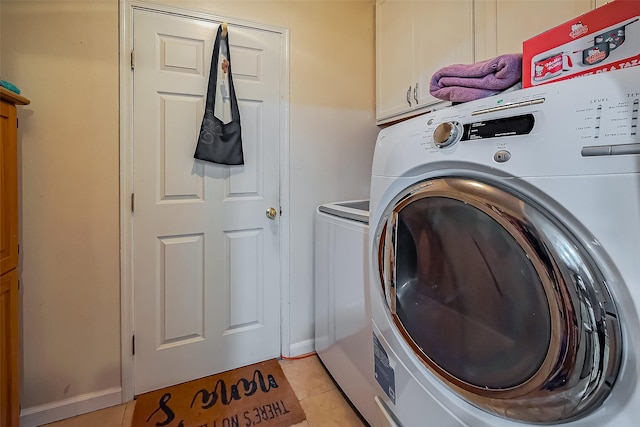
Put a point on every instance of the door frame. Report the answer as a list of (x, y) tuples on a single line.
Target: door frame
[(125, 18)]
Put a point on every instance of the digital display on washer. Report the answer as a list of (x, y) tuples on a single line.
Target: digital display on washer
[(508, 126)]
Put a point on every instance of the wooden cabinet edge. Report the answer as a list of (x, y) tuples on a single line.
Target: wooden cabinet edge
[(12, 97), (10, 393)]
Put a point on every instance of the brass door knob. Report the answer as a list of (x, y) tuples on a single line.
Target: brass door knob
[(271, 213)]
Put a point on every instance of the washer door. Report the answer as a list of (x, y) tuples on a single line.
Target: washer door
[(499, 300)]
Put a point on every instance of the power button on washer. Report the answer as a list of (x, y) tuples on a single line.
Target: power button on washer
[(502, 156)]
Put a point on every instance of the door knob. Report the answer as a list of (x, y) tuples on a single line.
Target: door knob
[(271, 213)]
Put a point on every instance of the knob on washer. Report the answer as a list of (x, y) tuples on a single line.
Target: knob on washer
[(446, 134)]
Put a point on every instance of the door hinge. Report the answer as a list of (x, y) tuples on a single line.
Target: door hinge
[(133, 345), (133, 59), (133, 202)]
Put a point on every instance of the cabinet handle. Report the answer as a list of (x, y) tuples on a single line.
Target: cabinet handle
[(415, 93), (409, 96)]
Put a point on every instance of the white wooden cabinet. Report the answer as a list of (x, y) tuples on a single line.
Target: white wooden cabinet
[(394, 57), (502, 25), (414, 39)]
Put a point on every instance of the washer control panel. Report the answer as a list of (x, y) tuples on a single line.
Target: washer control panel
[(448, 133)]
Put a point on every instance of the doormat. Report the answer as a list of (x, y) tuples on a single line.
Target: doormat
[(253, 395)]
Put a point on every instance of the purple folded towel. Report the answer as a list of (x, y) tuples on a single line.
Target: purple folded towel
[(462, 82)]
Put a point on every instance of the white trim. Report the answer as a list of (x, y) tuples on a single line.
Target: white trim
[(126, 176), (126, 187), (285, 205), (202, 14), (56, 411), (302, 347)]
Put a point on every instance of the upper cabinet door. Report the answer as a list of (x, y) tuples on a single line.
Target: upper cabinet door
[(502, 25), (8, 188), (394, 57), (413, 40), (443, 36)]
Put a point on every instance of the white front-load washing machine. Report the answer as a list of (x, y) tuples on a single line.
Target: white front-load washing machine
[(505, 259)]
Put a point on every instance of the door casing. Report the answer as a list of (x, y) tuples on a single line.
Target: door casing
[(126, 8)]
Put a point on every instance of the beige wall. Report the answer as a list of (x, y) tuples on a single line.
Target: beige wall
[(64, 56)]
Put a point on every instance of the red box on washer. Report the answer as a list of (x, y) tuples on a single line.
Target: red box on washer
[(603, 40)]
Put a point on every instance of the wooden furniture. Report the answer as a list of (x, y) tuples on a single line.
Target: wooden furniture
[(414, 39), (9, 343)]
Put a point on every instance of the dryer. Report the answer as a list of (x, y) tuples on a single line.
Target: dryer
[(342, 310), (505, 259)]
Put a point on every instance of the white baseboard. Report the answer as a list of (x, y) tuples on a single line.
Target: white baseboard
[(56, 411), (302, 347)]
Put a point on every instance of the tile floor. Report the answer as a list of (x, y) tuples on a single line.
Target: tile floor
[(320, 398)]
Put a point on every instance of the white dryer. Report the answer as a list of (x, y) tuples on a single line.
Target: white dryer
[(343, 328), (505, 259)]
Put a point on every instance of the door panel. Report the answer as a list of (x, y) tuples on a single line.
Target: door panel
[(8, 188), (206, 257), (394, 68), (9, 352)]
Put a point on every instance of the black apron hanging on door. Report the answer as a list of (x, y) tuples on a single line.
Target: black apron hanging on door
[(220, 140)]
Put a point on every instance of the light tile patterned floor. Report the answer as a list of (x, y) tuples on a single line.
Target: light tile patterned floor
[(322, 402)]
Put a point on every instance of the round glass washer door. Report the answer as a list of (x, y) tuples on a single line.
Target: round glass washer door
[(499, 300)]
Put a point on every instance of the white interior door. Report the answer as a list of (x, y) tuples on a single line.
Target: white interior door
[(206, 262)]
